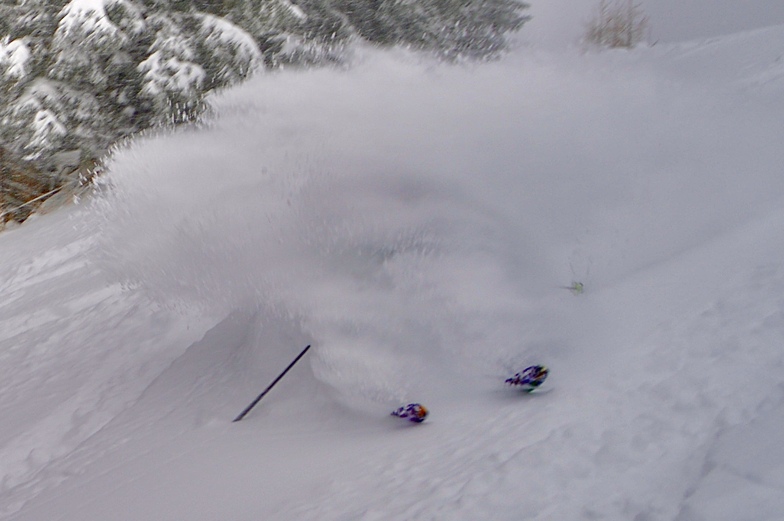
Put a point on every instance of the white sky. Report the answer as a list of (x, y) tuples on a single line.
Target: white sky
[(560, 23)]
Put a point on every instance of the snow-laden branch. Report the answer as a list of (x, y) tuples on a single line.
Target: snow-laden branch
[(170, 74), (14, 57), (88, 15)]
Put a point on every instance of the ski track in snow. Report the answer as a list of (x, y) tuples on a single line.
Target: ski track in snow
[(132, 337)]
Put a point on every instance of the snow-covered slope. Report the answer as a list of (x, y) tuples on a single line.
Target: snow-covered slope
[(416, 223)]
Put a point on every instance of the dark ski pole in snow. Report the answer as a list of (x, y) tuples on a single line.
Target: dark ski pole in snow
[(276, 380)]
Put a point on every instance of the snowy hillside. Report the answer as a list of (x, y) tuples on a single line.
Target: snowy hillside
[(417, 223)]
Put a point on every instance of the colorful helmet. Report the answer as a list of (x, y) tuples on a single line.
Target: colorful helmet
[(414, 412), (530, 378)]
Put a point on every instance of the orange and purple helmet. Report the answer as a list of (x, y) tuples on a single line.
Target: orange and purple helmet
[(415, 412)]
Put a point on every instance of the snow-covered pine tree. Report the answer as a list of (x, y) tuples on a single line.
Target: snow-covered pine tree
[(315, 30), (99, 70)]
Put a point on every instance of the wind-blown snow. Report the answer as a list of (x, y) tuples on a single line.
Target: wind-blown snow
[(416, 223)]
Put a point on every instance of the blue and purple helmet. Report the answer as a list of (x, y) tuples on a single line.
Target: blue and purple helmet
[(530, 378)]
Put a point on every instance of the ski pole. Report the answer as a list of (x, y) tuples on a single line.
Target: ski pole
[(276, 380)]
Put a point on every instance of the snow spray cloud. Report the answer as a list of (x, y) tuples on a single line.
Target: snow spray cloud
[(403, 209)]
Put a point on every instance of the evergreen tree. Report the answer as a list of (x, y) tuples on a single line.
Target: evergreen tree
[(96, 72)]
